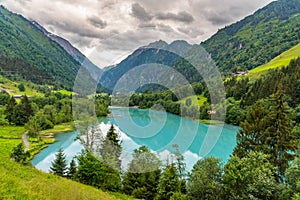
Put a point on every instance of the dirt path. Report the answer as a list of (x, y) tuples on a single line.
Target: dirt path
[(25, 141)]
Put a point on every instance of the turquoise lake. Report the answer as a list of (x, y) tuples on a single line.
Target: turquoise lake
[(157, 130)]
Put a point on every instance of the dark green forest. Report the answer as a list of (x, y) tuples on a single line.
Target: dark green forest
[(256, 39), (24, 49)]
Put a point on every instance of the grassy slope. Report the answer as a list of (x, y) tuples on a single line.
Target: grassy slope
[(12, 86), (25, 182), (279, 61), (198, 100)]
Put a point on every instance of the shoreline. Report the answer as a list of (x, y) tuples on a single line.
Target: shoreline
[(202, 121), (48, 137)]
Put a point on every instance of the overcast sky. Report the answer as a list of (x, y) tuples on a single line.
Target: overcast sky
[(108, 30)]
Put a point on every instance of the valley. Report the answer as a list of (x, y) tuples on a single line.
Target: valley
[(214, 119)]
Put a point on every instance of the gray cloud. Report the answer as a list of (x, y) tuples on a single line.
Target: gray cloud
[(147, 25), (90, 24), (218, 18), (181, 17), (194, 32), (140, 13), (97, 22)]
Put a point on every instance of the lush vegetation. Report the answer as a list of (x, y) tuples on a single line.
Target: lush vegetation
[(25, 49), (280, 61), (177, 55), (264, 165), (24, 182), (256, 39)]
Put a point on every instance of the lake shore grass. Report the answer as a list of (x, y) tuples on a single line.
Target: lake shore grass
[(210, 122), (36, 145), (25, 182), (61, 128)]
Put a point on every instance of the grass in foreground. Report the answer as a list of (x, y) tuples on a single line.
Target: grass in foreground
[(25, 182)]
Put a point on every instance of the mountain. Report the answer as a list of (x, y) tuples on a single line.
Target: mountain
[(280, 61), (244, 45), (74, 52), (159, 53), (258, 38), (27, 53)]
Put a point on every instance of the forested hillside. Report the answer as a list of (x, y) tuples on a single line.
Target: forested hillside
[(258, 38), (27, 53), (74, 52), (159, 53)]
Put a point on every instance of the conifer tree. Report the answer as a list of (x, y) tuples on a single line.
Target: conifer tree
[(59, 165), (27, 107), (251, 137), (18, 154), (111, 149), (269, 131), (72, 169), (142, 175), (281, 142), (169, 183), (10, 109)]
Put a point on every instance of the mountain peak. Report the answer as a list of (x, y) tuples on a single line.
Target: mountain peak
[(40, 27), (157, 44)]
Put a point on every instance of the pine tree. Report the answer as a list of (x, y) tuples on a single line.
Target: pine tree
[(19, 155), (281, 142), (111, 149), (10, 109), (59, 165), (72, 170), (27, 107), (181, 167), (251, 137), (142, 175), (169, 183), (268, 131)]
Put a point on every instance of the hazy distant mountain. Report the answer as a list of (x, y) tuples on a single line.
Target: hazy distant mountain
[(157, 52)]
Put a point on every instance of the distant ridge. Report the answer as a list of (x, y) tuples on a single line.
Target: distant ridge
[(73, 51), (27, 53)]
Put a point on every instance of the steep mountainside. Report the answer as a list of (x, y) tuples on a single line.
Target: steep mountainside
[(74, 52), (25, 52), (158, 52), (258, 38), (249, 43), (280, 61)]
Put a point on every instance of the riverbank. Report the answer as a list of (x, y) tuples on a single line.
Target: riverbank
[(47, 137)]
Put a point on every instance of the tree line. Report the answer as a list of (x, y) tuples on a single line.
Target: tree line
[(265, 163)]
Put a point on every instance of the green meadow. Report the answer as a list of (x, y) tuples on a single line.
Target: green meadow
[(279, 61), (26, 182)]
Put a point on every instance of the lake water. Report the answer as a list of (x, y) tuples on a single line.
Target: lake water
[(156, 130)]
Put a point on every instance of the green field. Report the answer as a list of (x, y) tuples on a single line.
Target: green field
[(12, 88), (197, 100), (279, 61), (65, 92), (25, 182)]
